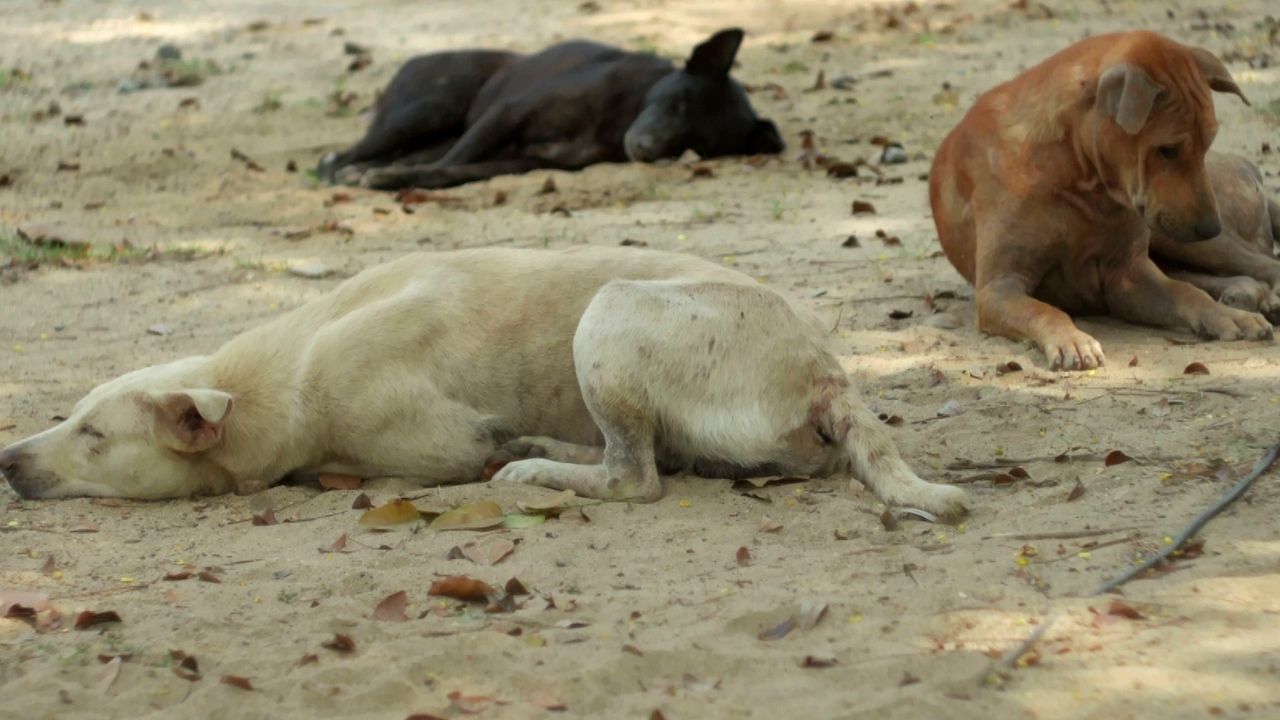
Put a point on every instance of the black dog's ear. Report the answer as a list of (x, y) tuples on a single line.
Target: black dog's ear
[(765, 139), (715, 56)]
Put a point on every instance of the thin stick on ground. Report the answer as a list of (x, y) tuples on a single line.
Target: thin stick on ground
[(1010, 658), (1201, 520), (1065, 535)]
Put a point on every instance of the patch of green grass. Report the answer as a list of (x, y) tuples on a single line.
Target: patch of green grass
[(25, 253), (10, 78), (795, 66), (780, 206)]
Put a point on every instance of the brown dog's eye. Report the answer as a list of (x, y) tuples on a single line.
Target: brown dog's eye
[(1168, 152)]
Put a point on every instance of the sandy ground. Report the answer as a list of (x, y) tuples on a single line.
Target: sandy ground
[(663, 620)]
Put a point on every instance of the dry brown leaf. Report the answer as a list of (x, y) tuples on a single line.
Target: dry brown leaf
[(15, 603), (89, 618), (488, 554), (862, 207), (889, 521), (817, 661), (83, 524), (237, 681), (1003, 479), (362, 502), (1134, 361), (207, 576), (340, 643), (633, 650), (187, 667), (1125, 610), (744, 556), (769, 525), (337, 545), (1076, 491), (266, 518), (391, 609), (109, 674), (471, 704), (461, 587), (1196, 368), (397, 513), (1115, 457), (475, 516), (1019, 473), (333, 481), (171, 597), (515, 587)]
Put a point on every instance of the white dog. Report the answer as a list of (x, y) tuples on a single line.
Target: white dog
[(603, 364)]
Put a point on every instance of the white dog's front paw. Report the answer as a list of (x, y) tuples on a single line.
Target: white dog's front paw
[(524, 472)]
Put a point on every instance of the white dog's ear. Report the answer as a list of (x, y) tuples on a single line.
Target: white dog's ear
[(1126, 94), (191, 420)]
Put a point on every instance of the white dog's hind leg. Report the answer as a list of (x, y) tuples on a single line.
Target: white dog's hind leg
[(876, 462), (549, 448), (626, 471)]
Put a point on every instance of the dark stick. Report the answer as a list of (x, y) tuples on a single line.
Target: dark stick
[(1201, 520)]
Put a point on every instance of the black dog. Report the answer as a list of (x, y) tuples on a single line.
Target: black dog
[(457, 117)]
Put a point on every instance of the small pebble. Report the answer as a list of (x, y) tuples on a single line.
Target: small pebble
[(160, 329), (311, 271)]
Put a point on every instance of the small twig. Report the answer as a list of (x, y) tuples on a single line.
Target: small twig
[(1065, 535), (1011, 658), (1201, 520)]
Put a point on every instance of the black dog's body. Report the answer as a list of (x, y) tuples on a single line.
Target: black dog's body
[(456, 117)]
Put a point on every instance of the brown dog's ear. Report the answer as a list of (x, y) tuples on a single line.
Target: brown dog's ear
[(1126, 94), (1216, 74), (191, 420)]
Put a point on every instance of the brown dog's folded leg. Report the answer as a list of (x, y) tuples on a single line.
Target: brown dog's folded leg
[(1240, 292), (1004, 308), (435, 177), (1141, 293)]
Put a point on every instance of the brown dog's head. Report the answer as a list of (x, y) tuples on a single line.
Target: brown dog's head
[(1158, 97)]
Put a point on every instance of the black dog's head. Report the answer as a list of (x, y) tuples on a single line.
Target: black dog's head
[(701, 108)]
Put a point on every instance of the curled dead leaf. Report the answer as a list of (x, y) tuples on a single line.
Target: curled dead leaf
[(817, 661), (744, 556), (340, 643), (337, 545), (862, 207), (83, 524), (266, 518), (186, 666), (1076, 491), (362, 502), (1195, 368), (391, 609), (1115, 457), (515, 587), (1019, 473), (889, 520), (237, 681), (1125, 610), (475, 516), (769, 525), (207, 576), (461, 587), (89, 618), (397, 513)]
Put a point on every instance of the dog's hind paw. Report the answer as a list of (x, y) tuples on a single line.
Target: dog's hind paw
[(1220, 322)]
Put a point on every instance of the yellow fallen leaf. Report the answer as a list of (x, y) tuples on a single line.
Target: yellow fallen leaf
[(396, 512), (476, 516)]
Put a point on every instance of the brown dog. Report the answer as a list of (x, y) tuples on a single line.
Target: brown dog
[(1043, 195), (1239, 267)]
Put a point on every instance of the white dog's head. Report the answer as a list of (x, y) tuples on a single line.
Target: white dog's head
[(143, 435)]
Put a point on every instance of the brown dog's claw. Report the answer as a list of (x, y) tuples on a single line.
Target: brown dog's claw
[(1076, 351)]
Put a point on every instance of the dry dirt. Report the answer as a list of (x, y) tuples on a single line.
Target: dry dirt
[(670, 618)]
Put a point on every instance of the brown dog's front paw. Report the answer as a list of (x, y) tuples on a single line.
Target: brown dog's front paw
[(1223, 323), (1074, 350)]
